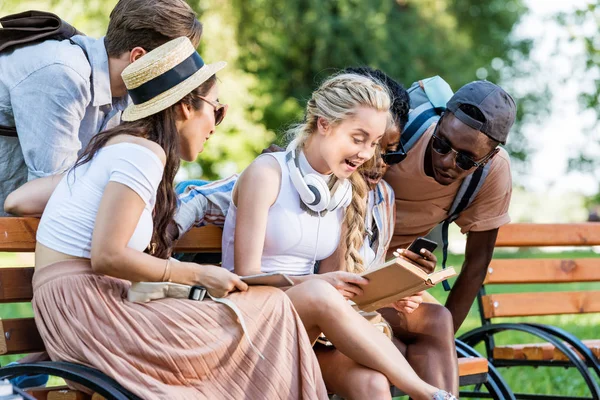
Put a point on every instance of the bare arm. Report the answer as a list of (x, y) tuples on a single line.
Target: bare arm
[(333, 270), (119, 212), (30, 199), (478, 254), (255, 192), (335, 262)]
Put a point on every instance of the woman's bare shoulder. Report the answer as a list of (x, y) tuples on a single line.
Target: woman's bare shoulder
[(149, 144)]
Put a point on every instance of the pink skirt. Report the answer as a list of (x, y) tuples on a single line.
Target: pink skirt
[(174, 348)]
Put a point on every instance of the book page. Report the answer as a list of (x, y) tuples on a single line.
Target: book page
[(395, 280)]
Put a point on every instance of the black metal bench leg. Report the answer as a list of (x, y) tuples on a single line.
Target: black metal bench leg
[(477, 335), (496, 386)]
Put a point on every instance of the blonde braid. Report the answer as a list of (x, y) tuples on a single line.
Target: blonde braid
[(354, 220)]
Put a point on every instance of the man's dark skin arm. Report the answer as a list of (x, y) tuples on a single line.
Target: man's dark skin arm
[(478, 254)]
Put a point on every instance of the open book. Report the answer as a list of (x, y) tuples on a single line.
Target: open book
[(395, 280)]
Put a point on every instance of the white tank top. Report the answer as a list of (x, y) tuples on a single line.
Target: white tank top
[(294, 239)]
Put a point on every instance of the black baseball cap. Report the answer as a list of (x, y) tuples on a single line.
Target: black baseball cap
[(497, 106)]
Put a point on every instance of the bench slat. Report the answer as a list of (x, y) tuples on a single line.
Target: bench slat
[(67, 394), (472, 366), (19, 335), (546, 303), (15, 284), (18, 235), (543, 271), (201, 240), (526, 235), (60, 393), (539, 351)]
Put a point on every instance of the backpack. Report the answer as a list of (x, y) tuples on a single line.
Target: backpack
[(27, 28), (428, 99)]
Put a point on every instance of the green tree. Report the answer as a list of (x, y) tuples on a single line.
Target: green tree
[(291, 45), (279, 50)]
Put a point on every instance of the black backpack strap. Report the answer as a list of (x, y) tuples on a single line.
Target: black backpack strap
[(464, 197), (33, 26), (8, 131)]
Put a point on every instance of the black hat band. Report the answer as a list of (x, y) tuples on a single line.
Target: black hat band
[(167, 80)]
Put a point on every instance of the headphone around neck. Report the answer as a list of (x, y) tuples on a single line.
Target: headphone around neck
[(313, 189)]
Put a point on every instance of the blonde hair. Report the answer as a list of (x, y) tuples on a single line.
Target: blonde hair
[(336, 100)]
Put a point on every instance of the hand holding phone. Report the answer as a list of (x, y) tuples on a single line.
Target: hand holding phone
[(422, 243), (420, 252)]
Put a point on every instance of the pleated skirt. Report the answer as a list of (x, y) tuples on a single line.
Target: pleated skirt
[(175, 348)]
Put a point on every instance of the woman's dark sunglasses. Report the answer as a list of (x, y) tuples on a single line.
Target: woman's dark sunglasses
[(394, 157), (220, 109), (463, 161)]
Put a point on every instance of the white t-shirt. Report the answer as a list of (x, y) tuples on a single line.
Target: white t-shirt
[(70, 215)]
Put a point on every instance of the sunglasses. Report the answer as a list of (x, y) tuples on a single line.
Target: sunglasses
[(220, 109), (463, 161), (394, 157)]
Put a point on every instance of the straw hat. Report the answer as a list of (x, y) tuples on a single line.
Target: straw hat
[(164, 76)]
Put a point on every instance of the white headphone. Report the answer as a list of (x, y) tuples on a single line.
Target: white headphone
[(313, 189)]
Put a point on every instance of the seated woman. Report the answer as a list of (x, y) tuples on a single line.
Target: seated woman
[(287, 211), (104, 227), (423, 331)]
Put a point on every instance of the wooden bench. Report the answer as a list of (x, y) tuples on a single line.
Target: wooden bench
[(20, 335), (554, 346)]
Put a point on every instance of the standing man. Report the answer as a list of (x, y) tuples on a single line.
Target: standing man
[(59, 94), (478, 118)]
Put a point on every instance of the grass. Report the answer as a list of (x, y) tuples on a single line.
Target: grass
[(521, 379)]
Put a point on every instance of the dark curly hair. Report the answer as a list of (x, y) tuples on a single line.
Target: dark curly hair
[(400, 100)]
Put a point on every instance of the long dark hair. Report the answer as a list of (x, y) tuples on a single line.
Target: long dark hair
[(159, 128)]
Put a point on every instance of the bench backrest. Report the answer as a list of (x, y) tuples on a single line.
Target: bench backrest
[(20, 335), (548, 271)]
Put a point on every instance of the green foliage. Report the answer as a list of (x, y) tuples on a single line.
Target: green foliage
[(279, 50), (292, 45)]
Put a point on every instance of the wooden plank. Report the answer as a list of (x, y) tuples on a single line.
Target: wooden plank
[(543, 271), (545, 303), (67, 394), (472, 366), (41, 393), (517, 235), (61, 393), (15, 284), (18, 234), (593, 345), (201, 240), (539, 351), (19, 335), (533, 351)]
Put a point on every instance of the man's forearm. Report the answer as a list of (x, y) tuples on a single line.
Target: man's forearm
[(464, 291), (478, 254)]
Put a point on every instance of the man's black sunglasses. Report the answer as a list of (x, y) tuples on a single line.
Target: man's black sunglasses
[(394, 157), (463, 161)]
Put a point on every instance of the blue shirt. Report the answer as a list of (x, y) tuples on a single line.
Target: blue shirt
[(57, 100)]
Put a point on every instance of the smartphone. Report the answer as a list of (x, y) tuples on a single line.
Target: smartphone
[(268, 279), (422, 243)]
